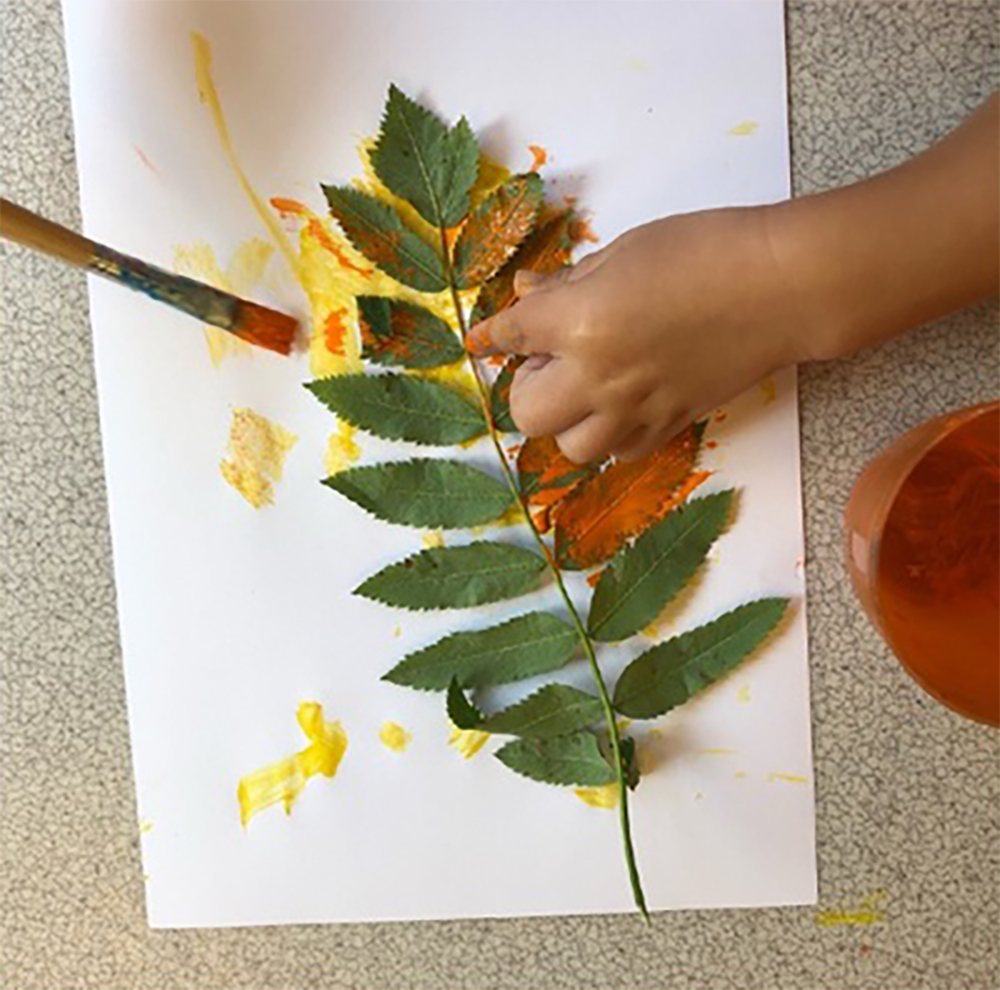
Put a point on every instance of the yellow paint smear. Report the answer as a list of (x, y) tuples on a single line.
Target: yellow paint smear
[(432, 538), (241, 276), (393, 736), (605, 796), (342, 449), (746, 128), (145, 827), (283, 782), (743, 695), (467, 741), (788, 778), (870, 911), (397, 632), (257, 452), (719, 751), (768, 391), (740, 774), (209, 96)]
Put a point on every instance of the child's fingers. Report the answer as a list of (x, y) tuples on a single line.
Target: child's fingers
[(590, 438), (647, 439), (547, 400), (528, 327)]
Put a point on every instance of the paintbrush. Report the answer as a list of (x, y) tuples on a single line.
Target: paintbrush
[(249, 321)]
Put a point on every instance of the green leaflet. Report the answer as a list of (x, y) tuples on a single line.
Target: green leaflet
[(500, 395), (377, 231), (521, 647), (573, 759), (394, 332), (424, 492), (424, 161), (554, 710), (456, 577), (495, 229), (462, 712), (642, 578), (672, 672), (401, 407)]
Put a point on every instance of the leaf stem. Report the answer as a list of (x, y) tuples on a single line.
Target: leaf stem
[(482, 390)]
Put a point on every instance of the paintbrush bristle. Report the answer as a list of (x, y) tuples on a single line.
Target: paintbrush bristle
[(265, 327)]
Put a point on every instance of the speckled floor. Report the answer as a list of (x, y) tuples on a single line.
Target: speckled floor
[(908, 794)]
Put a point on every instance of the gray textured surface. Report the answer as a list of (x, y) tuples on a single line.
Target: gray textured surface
[(907, 793)]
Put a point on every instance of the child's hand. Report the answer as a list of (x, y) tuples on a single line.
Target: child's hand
[(639, 339)]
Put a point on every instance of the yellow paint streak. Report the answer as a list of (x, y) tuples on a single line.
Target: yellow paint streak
[(210, 97), (393, 736), (788, 778), (342, 449), (257, 452), (768, 390), (432, 538), (284, 781), (719, 751), (605, 796), (397, 632), (870, 911), (467, 741), (743, 695), (242, 275), (746, 128)]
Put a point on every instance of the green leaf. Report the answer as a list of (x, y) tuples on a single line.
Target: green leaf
[(500, 395), (672, 672), (401, 407), (462, 712), (394, 332), (521, 647), (496, 228), (554, 710), (456, 577), (377, 231), (424, 492), (573, 759), (642, 578), (421, 159)]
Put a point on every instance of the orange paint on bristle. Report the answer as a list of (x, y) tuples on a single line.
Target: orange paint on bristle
[(265, 327), (539, 157)]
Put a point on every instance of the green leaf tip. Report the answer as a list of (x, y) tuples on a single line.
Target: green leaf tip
[(462, 712)]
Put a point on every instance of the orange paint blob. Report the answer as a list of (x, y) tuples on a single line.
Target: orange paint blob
[(319, 232), (539, 157), (289, 207), (334, 331)]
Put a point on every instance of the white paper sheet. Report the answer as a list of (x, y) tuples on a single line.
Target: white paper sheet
[(230, 616)]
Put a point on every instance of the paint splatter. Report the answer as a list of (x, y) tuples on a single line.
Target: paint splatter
[(467, 741), (768, 391), (746, 128), (718, 751), (284, 781), (145, 159), (145, 827), (788, 778), (539, 157), (743, 694), (397, 632), (869, 911), (740, 774), (241, 276), (342, 449), (394, 737), (257, 452), (432, 538), (605, 796)]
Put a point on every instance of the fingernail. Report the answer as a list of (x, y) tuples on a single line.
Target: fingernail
[(526, 281)]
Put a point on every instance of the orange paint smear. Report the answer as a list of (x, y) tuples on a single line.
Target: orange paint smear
[(711, 445), (318, 231), (334, 332), (599, 516), (580, 230), (539, 157)]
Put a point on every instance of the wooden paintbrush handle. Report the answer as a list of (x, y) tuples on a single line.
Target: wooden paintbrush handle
[(27, 228)]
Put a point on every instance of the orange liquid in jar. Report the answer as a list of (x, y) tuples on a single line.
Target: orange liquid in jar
[(937, 573)]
